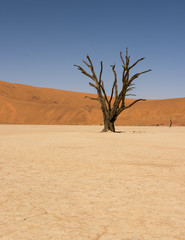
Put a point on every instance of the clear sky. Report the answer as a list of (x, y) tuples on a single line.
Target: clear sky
[(41, 40)]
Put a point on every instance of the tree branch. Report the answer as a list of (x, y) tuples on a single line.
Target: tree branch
[(92, 85), (115, 81), (86, 63), (101, 71), (105, 95), (98, 84), (122, 59), (127, 59), (96, 99), (92, 69), (136, 63), (112, 92), (129, 89), (130, 94), (84, 72), (137, 75), (130, 105)]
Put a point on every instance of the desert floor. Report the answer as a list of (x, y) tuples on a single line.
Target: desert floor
[(75, 183)]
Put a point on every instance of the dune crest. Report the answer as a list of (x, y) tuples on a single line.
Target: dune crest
[(22, 104)]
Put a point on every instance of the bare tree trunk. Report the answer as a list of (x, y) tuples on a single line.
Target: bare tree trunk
[(108, 126), (108, 123)]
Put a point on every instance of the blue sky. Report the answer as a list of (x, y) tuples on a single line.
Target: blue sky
[(41, 40)]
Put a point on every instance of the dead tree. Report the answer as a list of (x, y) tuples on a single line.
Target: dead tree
[(113, 105), (170, 122)]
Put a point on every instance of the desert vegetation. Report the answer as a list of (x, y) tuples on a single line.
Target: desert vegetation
[(112, 106)]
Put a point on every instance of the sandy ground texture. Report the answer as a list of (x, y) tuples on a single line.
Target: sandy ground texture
[(75, 183)]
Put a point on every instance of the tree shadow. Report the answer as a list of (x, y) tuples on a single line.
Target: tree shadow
[(133, 132)]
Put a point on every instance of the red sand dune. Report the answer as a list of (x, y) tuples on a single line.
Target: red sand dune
[(22, 104)]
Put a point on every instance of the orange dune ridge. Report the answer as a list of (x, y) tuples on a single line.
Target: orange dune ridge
[(22, 104)]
